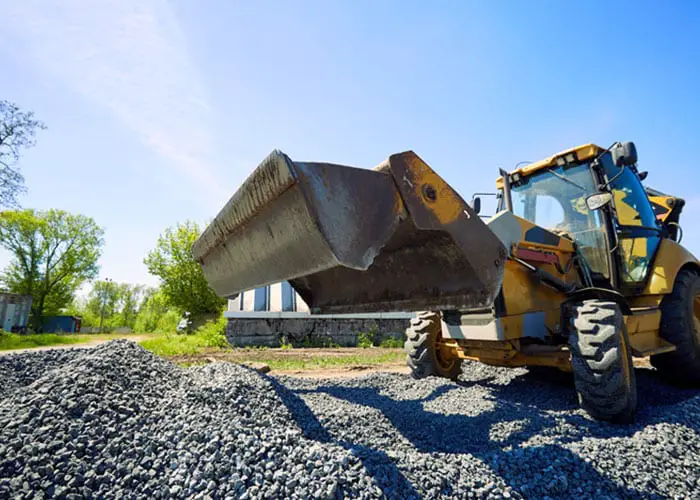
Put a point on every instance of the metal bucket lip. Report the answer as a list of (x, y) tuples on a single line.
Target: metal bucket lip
[(276, 173), (336, 215)]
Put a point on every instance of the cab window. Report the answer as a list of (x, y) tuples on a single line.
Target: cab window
[(555, 199), (548, 211), (637, 228)]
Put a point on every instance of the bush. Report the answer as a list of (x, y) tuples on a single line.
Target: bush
[(210, 335), (167, 323), (391, 342), (366, 339), (213, 333)]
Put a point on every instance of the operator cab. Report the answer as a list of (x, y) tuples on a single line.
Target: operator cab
[(595, 197)]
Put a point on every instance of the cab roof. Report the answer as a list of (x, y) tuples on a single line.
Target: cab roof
[(581, 153)]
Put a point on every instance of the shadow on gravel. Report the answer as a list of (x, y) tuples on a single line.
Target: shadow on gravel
[(433, 432), (534, 404), (553, 390), (377, 464)]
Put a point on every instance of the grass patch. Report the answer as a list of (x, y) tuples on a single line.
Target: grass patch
[(316, 362), (391, 343), (11, 341), (210, 335)]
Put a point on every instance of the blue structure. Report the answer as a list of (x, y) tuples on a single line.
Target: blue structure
[(62, 324)]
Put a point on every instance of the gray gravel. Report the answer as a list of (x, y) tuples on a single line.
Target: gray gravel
[(116, 421)]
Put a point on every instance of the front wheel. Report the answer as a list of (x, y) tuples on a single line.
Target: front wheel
[(423, 353), (601, 361), (680, 325)]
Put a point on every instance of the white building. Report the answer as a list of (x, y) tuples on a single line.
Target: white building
[(280, 300), (279, 297), (266, 315)]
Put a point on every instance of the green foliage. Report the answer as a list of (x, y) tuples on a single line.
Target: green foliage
[(368, 339), (130, 297), (182, 280), (78, 307), (113, 304), (364, 340), (53, 253), (372, 339), (17, 132), (209, 336), (285, 343), (167, 323), (150, 317), (10, 341), (391, 343), (213, 333)]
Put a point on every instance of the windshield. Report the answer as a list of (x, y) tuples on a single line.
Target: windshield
[(556, 200), (637, 228)]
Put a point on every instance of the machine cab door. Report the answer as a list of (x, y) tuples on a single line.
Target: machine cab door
[(638, 233)]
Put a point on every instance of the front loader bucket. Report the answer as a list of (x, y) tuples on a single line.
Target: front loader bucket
[(396, 238)]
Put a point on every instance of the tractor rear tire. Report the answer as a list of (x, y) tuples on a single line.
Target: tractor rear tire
[(422, 353), (601, 361), (680, 325)]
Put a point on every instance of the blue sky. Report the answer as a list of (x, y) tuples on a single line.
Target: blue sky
[(157, 111)]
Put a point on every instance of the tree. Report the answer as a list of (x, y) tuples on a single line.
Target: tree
[(131, 297), (182, 281), (154, 314), (113, 304), (17, 132), (53, 253), (102, 303)]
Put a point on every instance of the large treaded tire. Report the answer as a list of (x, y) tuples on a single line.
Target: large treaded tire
[(601, 361), (422, 355), (680, 325)]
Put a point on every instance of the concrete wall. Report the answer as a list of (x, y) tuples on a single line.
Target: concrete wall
[(269, 331), (278, 315)]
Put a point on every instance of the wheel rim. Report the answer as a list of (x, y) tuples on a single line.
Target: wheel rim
[(443, 358)]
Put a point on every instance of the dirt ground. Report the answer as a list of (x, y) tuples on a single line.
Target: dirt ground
[(257, 356), (346, 371)]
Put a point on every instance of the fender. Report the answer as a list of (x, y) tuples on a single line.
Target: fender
[(597, 293), (670, 259)]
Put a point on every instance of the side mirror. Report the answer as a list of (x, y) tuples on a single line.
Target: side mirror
[(643, 175), (597, 201), (624, 154), (476, 204)]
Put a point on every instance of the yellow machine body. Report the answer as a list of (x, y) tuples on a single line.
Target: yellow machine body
[(528, 304), (399, 238)]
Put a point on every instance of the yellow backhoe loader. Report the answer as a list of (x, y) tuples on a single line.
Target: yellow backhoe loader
[(578, 269)]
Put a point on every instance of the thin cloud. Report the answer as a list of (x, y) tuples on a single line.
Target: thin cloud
[(130, 57)]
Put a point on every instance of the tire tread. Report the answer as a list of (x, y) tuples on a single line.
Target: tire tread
[(597, 361)]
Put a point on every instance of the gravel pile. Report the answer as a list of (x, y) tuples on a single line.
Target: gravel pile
[(116, 421)]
